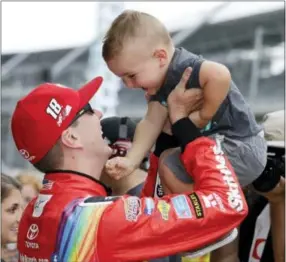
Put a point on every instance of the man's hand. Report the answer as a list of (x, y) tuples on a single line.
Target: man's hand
[(182, 101), (119, 167)]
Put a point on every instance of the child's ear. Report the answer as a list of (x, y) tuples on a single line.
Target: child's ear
[(162, 56)]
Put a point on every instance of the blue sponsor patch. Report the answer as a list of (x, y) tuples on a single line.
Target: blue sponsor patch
[(149, 206), (181, 206)]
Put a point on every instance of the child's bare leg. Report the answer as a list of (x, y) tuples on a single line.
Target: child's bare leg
[(170, 182)]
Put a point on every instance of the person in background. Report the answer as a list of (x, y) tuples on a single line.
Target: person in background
[(11, 211), (119, 133), (31, 185), (274, 128), (262, 234)]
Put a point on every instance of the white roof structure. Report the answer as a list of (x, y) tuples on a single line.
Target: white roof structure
[(50, 25), (235, 10)]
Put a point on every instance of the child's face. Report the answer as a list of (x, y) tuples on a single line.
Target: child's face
[(139, 68)]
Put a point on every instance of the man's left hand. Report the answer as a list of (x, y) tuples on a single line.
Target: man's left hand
[(182, 101)]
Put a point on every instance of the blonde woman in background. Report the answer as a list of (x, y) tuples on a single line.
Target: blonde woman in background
[(31, 184), (11, 212)]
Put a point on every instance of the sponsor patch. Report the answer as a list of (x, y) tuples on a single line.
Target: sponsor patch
[(63, 114), (47, 184), (181, 206), (233, 195), (164, 209), (213, 200), (197, 205), (40, 203), (149, 206), (32, 245), (159, 192), (24, 258), (100, 200), (33, 231), (132, 209), (26, 155)]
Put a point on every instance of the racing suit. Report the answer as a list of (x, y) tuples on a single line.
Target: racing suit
[(153, 188), (73, 218)]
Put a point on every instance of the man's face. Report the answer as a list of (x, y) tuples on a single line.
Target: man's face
[(89, 131), (138, 68)]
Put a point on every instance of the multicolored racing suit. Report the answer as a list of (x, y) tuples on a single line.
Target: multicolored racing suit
[(73, 218)]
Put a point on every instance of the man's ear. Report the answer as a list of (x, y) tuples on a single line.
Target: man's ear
[(162, 56), (70, 138)]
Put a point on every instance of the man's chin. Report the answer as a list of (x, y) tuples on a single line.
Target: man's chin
[(109, 152)]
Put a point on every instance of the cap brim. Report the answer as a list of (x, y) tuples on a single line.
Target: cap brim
[(87, 91)]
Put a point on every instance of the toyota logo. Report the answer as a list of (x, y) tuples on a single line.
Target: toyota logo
[(24, 153), (33, 232)]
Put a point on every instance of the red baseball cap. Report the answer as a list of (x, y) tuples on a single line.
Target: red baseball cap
[(40, 117)]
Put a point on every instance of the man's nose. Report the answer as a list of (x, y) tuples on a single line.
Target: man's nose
[(98, 113)]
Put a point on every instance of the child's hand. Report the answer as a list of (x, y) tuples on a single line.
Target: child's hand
[(119, 167)]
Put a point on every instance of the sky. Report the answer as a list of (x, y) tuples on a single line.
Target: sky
[(37, 26)]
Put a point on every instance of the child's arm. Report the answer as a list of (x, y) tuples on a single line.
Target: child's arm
[(214, 78), (146, 133)]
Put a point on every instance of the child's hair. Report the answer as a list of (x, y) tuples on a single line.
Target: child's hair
[(131, 24)]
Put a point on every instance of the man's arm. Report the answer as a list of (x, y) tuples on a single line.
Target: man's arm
[(215, 79), (136, 229)]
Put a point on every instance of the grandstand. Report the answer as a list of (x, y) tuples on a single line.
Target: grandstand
[(252, 47)]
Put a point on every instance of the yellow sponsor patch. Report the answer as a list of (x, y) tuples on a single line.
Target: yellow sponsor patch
[(164, 209), (197, 205)]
